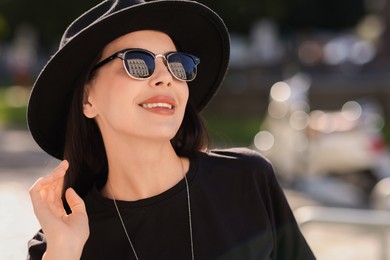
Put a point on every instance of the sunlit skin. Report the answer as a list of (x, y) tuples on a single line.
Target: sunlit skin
[(142, 161)]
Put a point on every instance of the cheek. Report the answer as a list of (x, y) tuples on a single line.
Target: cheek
[(185, 93), (110, 99)]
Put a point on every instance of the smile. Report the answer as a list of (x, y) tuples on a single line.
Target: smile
[(155, 105)]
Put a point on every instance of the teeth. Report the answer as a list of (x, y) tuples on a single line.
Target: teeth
[(153, 105)]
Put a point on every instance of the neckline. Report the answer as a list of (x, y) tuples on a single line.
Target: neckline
[(178, 188)]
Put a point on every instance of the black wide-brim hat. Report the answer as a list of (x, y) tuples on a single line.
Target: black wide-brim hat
[(193, 27)]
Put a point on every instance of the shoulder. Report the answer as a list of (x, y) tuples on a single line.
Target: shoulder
[(236, 163), (231, 170), (237, 156)]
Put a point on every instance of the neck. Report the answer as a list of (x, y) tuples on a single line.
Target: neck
[(142, 169), (110, 190)]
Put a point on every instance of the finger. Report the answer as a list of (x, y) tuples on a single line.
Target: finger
[(64, 166), (40, 185), (40, 191), (54, 195), (58, 178), (60, 170), (41, 208), (35, 193), (55, 175), (75, 203)]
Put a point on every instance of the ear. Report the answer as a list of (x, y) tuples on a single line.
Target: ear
[(88, 107)]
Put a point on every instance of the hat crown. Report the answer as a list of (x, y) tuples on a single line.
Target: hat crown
[(95, 14)]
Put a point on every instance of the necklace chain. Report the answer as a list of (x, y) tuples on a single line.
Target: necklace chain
[(124, 228), (189, 216)]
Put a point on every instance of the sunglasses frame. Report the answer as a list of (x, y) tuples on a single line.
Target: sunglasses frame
[(122, 54)]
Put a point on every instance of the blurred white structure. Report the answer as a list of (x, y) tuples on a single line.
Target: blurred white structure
[(310, 145)]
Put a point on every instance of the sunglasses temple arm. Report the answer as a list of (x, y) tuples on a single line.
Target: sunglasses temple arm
[(107, 60)]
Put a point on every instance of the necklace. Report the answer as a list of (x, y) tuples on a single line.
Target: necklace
[(189, 216)]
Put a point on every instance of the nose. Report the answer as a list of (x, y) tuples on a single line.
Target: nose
[(161, 75)]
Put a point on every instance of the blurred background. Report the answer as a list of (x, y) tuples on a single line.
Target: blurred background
[(308, 87)]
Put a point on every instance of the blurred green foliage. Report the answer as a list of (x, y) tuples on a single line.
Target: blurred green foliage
[(227, 131), (12, 116), (13, 106)]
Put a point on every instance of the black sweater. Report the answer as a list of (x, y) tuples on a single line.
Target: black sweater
[(238, 211)]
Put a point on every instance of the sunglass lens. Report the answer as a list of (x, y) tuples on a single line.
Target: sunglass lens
[(183, 66), (139, 65)]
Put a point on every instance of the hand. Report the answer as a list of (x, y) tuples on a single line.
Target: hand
[(65, 233)]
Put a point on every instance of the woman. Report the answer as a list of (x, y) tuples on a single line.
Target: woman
[(118, 104)]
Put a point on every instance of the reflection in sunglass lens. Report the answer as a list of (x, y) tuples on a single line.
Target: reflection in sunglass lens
[(139, 65), (182, 66)]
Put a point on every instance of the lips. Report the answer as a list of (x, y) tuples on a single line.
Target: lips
[(159, 104)]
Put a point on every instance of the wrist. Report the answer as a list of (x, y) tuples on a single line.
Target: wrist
[(59, 252)]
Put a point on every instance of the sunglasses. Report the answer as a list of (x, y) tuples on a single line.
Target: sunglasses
[(140, 63)]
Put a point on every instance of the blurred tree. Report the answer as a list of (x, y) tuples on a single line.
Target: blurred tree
[(290, 14), (324, 14), (50, 18), (385, 44), (238, 15)]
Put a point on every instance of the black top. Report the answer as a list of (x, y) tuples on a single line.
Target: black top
[(238, 211)]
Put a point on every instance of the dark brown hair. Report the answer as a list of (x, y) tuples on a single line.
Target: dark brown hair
[(85, 151)]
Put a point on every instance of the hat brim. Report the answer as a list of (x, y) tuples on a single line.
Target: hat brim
[(193, 27)]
